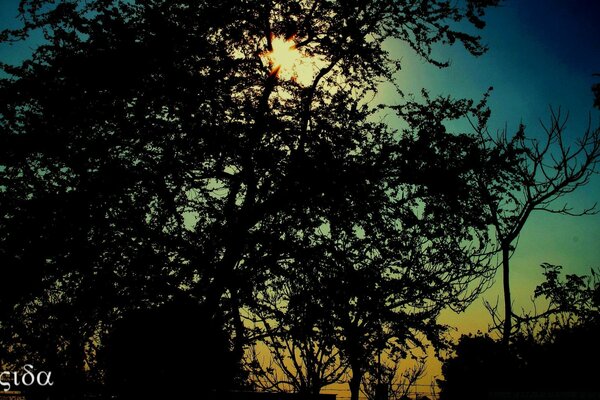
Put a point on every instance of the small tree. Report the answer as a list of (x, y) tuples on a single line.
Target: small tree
[(570, 301), (300, 355), (389, 381), (545, 170)]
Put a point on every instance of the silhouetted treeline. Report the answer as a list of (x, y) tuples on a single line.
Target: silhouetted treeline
[(168, 200), (554, 350)]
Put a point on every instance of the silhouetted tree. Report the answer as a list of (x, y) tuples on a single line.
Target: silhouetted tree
[(544, 171), (480, 365), (293, 349), (373, 280), (569, 302), (147, 147), (416, 253), (387, 380)]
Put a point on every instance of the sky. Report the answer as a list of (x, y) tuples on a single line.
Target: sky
[(542, 54)]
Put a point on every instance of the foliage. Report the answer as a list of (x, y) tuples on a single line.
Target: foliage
[(365, 281), (157, 354), (149, 152), (551, 352)]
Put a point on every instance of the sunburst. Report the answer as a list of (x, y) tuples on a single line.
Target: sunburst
[(287, 62)]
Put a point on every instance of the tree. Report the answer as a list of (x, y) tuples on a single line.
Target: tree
[(367, 281), (300, 355), (570, 302), (148, 150), (416, 254), (545, 170), (388, 381)]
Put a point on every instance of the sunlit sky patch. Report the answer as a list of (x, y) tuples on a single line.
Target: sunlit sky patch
[(288, 62)]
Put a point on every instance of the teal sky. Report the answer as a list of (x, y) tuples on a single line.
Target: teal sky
[(542, 53)]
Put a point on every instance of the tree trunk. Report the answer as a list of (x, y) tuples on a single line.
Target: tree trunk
[(355, 383), (507, 300), (240, 330)]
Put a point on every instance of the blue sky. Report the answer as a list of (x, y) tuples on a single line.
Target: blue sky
[(542, 54)]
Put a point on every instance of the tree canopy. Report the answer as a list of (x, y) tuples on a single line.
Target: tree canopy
[(148, 149)]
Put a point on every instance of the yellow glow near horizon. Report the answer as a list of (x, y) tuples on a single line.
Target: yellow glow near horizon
[(287, 62)]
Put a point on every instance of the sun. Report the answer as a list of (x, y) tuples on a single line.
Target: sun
[(283, 57), (287, 62)]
